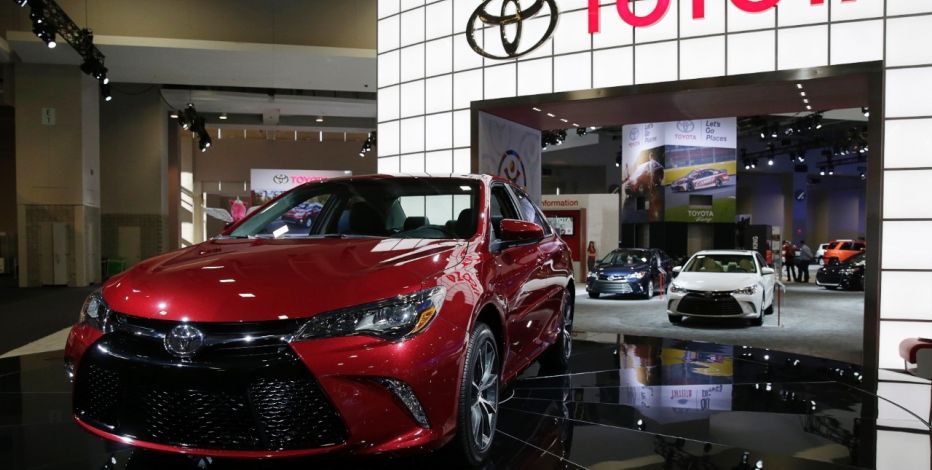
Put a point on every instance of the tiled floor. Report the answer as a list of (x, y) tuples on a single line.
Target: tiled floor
[(643, 403)]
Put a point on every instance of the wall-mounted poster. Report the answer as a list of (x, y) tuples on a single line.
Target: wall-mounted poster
[(267, 184), (562, 224), (681, 171)]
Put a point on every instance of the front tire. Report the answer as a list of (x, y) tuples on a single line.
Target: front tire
[(675, 319), (477, 415), (594, 295)]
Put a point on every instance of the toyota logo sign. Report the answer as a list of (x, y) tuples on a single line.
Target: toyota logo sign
[(512, 46), (184, 340), (281, 179)]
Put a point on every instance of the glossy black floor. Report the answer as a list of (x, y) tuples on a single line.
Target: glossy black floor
[(644, 403)]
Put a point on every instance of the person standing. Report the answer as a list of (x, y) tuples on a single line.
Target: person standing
[(591, 255), (803, 259), (789, 259)]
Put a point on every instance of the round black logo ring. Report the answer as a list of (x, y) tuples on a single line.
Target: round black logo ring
[(502, 20)]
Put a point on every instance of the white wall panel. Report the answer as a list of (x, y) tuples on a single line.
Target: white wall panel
[(412, 27), (439, 131), (859, 41), (388, 68), (572, 35), (461, 128), (439, 20), (902, 138), (467, 87), (903, 297), (908, 39), (412, 62), (412, 98), (793, 13), (411, 136), (572, 72), (535, 76), (439, 91), (613, 67), (500, 81), (802, 47), (462, 162), (843, 10), (891, 334), (388, 138), (902, 246), (461, 11), (908, 92), (439, 56), (751, 52), (413, 163), (409, 4), (388, 165), (388, 7), (663, 30), (907, 194), (463, 56), (908, 7), (900, 450), (702, 57), (740, 20), (439, 163), (613, 32), (656, 62), (389, 34), (713, 23), (388, 104)]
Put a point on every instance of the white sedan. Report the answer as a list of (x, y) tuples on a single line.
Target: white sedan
[(722, 284)]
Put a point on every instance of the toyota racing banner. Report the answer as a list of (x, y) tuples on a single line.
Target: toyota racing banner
[(681, 171), (510, 150)]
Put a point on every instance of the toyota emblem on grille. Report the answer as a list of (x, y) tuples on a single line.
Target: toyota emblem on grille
[(503, 20), (184, 340)]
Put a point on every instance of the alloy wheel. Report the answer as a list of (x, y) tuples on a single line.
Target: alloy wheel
[(483, 412), (567, 327)]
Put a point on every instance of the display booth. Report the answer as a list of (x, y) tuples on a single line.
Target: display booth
[(584, 218)]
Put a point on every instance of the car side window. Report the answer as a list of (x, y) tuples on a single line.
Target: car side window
[(500, 207), (529, 212), (761, 261)]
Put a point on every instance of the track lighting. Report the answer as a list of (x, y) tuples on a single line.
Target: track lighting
[(770, 161), (22, 3), (866, 111), (319, 119), (105, 92), (822, 170), (371, 141)]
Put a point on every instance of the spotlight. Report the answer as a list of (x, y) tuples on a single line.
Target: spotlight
[(763, 134), (799, 86), (173, 115), (204, 141), (822, 170), (770, 161), (618, 160), (581, 131), (775, 132), (831, 171), (223, 116), (866, 111), (753, 163), (802, 93), (319, 119), (22, 3), (105, 91)]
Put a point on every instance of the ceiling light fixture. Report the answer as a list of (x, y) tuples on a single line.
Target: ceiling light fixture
[(551, 115), (866, 111), (223, 116), (319, 119), (536, 109), (799, 86)]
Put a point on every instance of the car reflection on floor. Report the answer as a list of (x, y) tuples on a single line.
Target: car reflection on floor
[(641, 403)]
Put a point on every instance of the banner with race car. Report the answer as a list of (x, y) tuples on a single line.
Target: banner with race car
[(681, 171), (512, 151)]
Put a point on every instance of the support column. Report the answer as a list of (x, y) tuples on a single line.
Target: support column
[(57, 175)]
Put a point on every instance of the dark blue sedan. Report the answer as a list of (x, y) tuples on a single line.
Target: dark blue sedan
[(631, 271)]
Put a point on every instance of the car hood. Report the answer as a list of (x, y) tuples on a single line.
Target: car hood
[(232, 280), (716, 281)]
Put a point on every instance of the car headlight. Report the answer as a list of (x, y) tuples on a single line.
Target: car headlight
[(637, 275), (392, 319), (677, 289), (95, 311), (749, 290), (592, 275)]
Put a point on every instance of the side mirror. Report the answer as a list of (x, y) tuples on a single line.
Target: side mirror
[(518, 231), (677, 269), (767, 271)]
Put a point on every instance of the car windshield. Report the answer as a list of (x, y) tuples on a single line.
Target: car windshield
[(626, 258), (716, 263), (392, 208)]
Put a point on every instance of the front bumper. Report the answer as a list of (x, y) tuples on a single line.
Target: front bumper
[(714, 305), (623, 286), (320, 396)]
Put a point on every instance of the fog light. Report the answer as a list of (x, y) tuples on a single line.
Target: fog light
[(69, 370), (404, 393)]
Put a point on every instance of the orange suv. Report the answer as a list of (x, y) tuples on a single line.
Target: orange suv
[(840, 250)]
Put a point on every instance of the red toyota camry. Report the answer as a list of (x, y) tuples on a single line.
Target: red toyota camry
[(389, 325)]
